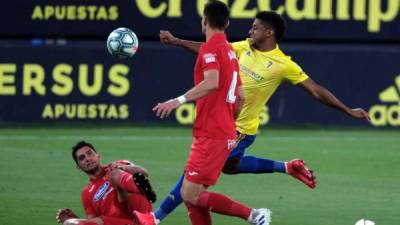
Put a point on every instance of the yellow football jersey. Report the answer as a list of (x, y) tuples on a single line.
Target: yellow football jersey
[(261, 74)]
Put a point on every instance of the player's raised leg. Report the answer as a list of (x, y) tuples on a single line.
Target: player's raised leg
[(251, 164), (238, 163), (133, 191)]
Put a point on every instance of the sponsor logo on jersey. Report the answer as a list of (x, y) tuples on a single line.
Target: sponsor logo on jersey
[(388, 113), (192, 173), (209, 58), (250, 73), (101, 191)]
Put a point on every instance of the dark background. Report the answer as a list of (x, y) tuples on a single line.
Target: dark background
[(355, 63)]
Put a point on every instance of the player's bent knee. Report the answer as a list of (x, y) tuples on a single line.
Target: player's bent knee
[(114, 173), (185, 196), (188, 197), (114, 176), (190, 192), (231, 166)]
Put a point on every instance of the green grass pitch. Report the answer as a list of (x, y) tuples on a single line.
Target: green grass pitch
[(358, 173)]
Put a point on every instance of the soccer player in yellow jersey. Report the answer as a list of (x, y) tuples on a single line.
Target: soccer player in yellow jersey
[(263, 67)]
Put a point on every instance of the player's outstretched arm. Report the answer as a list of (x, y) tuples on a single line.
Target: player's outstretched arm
[(167, 38), (321, 94)]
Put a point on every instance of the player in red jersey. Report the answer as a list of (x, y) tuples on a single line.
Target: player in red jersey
[(113, 196), (218, 95)]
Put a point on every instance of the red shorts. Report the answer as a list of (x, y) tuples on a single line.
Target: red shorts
[(117, 221), (206, 160)]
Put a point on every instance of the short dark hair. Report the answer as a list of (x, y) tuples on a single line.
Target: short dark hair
[(274, 20), (78, 146), (217, 14)]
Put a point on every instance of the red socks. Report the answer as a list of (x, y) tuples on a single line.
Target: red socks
[(198, 215), (137, 202), (126, 183), (222, 204)]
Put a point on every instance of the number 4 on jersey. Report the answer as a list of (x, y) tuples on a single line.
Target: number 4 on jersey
[(231, 98)]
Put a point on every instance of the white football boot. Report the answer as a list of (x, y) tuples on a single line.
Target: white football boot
[(260, 216)]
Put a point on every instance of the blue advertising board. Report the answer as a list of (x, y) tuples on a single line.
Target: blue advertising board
[(80, 81), (355, 20), (83, 82)]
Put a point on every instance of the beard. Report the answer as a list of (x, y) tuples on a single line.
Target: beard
[(93, 171)]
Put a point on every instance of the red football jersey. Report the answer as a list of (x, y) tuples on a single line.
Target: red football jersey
[(101, 199), (215, 112)]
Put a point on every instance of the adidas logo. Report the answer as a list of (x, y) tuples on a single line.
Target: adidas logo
[(388, 114)]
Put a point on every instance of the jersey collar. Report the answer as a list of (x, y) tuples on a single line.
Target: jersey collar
[(217, 36), (273, 51)]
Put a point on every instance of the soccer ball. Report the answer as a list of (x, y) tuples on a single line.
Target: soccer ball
[(365, 222), (122, 43)]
